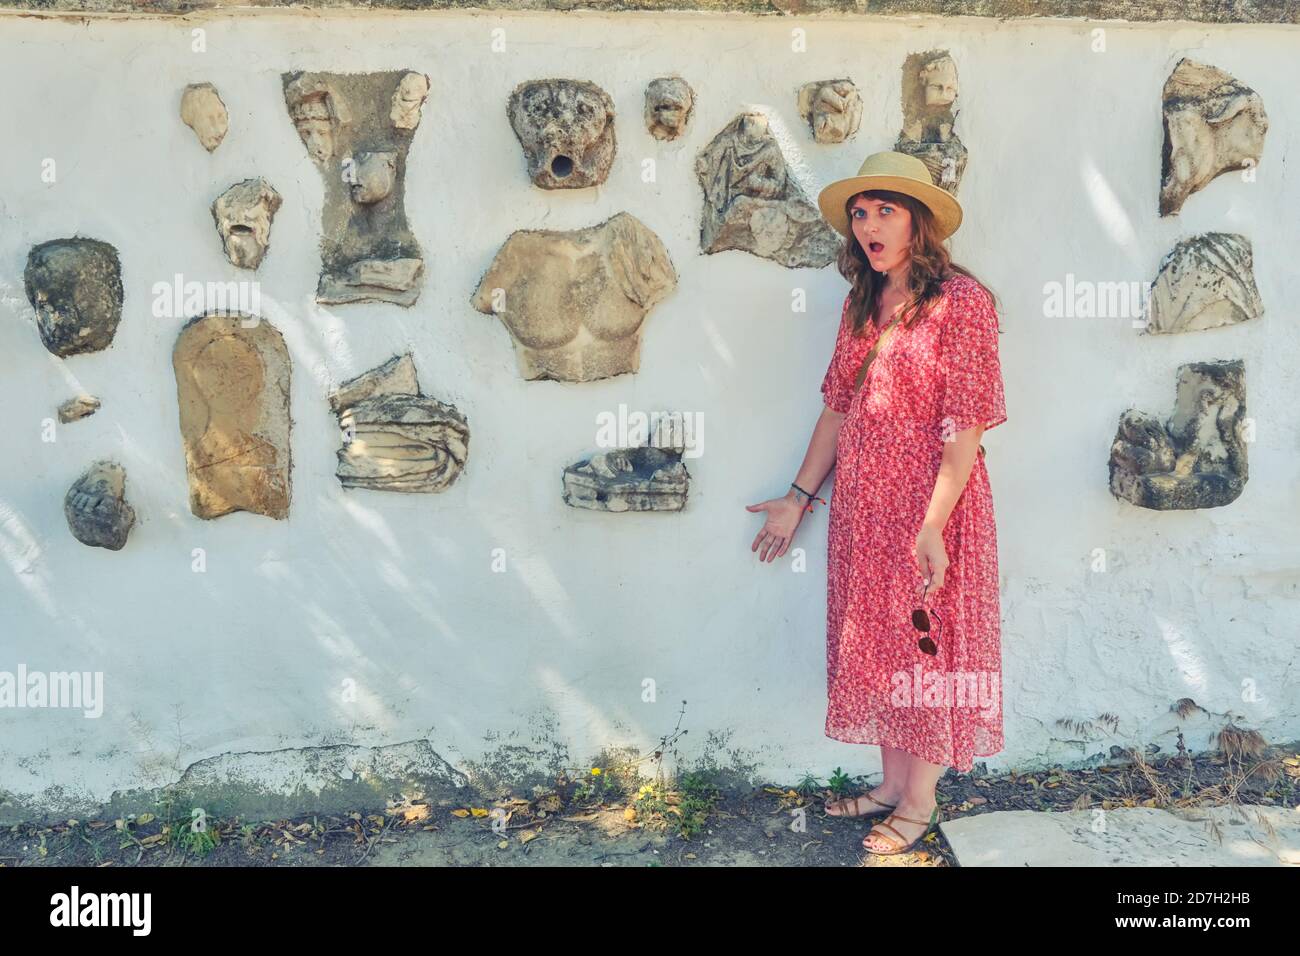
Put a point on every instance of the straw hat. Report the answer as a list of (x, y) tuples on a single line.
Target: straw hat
[(898, 172)]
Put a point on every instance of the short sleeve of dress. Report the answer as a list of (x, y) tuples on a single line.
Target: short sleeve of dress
[(837, 384), (968, 356)]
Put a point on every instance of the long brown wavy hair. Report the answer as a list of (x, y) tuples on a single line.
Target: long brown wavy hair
[(931, 265)]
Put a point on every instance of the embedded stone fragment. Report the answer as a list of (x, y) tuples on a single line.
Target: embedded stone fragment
[(243, 215), (96, 509), (358, 128), (75, 286), (628, 479), (394, 438), (566, 128), (78, 407), (751, 202), (831, 108), (669, 101), (574, 302), (929, 113), (1214, 124), (203, 112), (232, 385), (1198, 458), (408, 100), (1205, 282)]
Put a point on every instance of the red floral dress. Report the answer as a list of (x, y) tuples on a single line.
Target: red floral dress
[(926, 384)]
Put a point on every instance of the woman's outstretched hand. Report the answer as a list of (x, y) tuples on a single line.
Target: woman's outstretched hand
[(783, 517)]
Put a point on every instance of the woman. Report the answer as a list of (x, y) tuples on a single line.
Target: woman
[(911, 518)]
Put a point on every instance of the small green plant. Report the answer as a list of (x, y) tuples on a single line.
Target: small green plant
[(199, 842), (839, 782), (808, 785)]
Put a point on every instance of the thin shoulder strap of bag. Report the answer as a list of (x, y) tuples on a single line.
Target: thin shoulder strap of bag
[(880, 340)]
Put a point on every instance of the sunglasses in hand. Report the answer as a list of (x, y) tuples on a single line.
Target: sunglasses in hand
[(921, 621)]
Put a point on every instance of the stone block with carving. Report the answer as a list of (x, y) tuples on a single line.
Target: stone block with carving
[(96, 509), (574, 302), (358, 128), (203, 111), (396, 439), (232, 385), (1214, 124), (1195, 460), (930, 91), (566, 128), (669, 101), (75, 286), (752, 203), (831, 108), (1205, 282), (78, 407), (628, 479), (243, 215)]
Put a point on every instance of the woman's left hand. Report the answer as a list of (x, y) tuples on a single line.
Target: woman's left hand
[(931, 558)]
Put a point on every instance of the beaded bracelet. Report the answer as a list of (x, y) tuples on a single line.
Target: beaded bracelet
[(811, 498)]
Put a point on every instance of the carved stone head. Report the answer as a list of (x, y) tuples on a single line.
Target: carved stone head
[(566, 128), (668, 104), (939, 81), (317, 111), (372, 176), (203, 112), (243, 215), (75, 286), (408, 98)]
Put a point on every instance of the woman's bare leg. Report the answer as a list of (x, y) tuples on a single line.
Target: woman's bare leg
[(916, 799)]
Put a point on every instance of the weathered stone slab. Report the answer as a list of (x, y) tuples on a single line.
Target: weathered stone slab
[(752, 203), (1198, 458), (232, 384), (1214, 124), (1205, 282), (396, 439)]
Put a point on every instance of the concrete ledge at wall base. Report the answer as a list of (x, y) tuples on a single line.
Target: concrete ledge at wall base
[(266, 785), (1197, 11)]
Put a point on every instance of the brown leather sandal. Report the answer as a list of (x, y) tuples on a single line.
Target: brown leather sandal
[(842, 801), (898, 843)]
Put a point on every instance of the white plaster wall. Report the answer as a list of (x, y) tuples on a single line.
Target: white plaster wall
[(397, 592)]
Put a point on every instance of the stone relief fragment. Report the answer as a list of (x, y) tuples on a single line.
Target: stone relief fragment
[(203, 112), (628, 479), (408, 99), (1214, 124), (77, 408), (929, 115), (75, 286), (575, 302), (566, 128), (232, 385), (96, 509), (669, 101), (751, 202), (1195, 460), (831, 108), (396, 439), (243, 215), (1205, 282), (357, 129)]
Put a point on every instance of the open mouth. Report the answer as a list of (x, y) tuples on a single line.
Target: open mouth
[(876, 247)]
